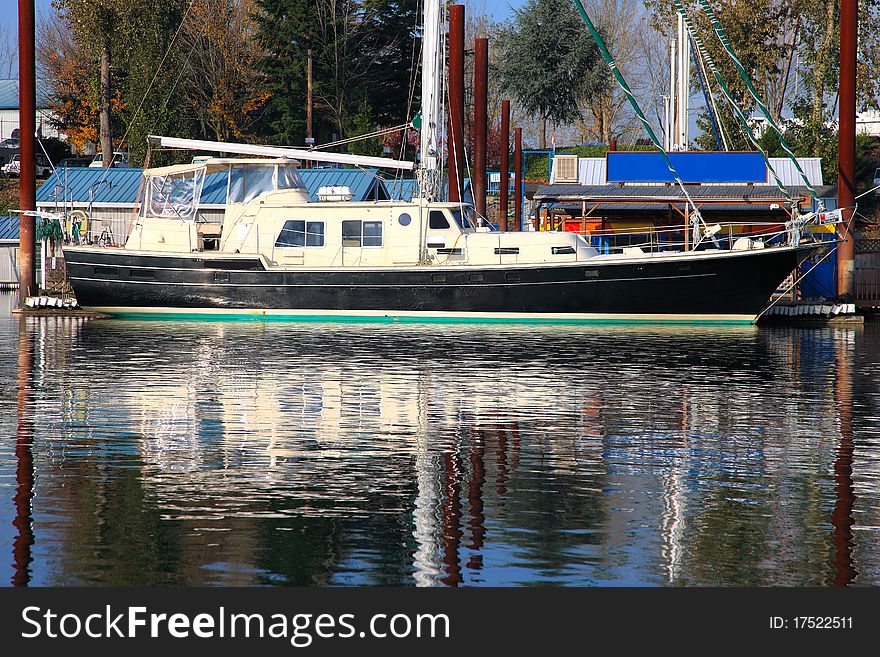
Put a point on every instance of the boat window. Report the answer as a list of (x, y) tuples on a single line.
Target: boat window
[(298, 232), (361, 233), (176, 195), (464, 222), (249, 181), (236, 185), (437, 220), (257, 180), (372, 233), (289, 178)]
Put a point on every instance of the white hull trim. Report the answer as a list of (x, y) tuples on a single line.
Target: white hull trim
[(294, 314)]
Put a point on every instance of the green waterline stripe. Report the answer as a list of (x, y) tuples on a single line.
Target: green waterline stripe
[(394, 319)]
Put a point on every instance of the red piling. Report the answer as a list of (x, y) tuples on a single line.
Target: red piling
[(27, 183), (846, 143), (481, 82), (505, 163), (455, 135)]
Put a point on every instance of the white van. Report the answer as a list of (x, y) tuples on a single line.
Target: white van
[(120, 160)]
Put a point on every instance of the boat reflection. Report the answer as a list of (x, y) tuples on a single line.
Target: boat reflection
[(240, 454)]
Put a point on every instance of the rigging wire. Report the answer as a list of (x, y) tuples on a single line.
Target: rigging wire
[(725, 42), (732, 102), (705, 74), (618, 76), (709, 106)]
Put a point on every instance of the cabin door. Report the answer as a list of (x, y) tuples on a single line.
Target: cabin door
[(444, 241), (362, 242)]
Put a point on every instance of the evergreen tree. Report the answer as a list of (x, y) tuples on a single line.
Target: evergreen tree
[(549, 62), (363, 51)]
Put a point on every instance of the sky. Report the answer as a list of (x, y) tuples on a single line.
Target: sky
[(499, 9)]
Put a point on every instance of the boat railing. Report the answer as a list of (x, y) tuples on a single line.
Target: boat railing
[(722, 236)]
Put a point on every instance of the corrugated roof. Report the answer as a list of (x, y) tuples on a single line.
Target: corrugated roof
[(9, 228), (402, 189), (9, 94), (661, 194), (76, 184), (660, 209), (591, 171), (784, 168), (365, 185)]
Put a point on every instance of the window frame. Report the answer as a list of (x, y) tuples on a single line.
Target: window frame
[(305, 234), (360, 244), (432, 214)]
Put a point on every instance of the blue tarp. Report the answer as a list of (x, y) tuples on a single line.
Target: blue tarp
[(692, 167)]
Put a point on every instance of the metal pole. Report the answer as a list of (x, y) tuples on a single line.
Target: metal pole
[(672, 135), (682, 105), (846, 144), (517, 179), (481, 79), (27, 184), (455, 138), (310, 139), (505, 164)]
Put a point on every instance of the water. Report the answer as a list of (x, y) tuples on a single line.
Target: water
[(249, 453)]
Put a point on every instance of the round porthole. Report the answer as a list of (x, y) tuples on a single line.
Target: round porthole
[(404, 219)]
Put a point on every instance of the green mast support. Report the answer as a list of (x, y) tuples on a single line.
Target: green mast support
[(704, 53), (725, 42), (635, 105)]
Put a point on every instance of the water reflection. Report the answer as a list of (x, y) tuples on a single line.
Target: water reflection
[(239, 454), (842, 518), (24, 470)]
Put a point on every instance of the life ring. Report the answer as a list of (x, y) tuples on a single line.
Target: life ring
[(77, 225)]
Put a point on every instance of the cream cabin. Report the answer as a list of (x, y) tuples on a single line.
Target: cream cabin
[(269, 213)]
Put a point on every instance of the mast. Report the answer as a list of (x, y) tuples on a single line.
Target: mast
[(672, 119), (429, 173), (684, 71)]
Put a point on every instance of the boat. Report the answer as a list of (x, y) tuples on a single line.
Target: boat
[(278, 254)]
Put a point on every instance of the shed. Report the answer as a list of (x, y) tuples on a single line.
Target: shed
[(579, 207), (9, 117), (9, 252), (594, 171)]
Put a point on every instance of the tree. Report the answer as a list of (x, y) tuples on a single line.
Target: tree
[(361, 49), (121, 60), (96, 25), (74, 96), (220, 82), (762, 34), (8, 56), (549, 62), (608, 114)]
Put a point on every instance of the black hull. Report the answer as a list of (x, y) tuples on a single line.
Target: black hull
[(691, 285)]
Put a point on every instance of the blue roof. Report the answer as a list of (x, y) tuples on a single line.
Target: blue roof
[(72, 184), (9, 228), (9, 94), (401, 189), (121, 185), (364, 185)]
